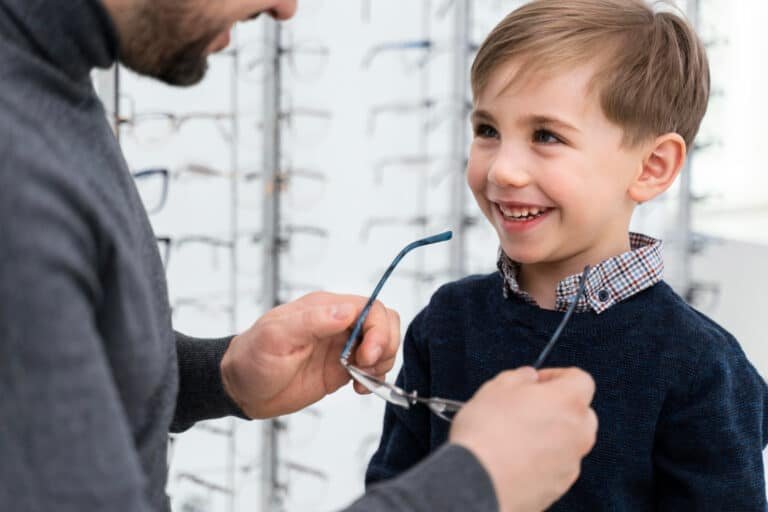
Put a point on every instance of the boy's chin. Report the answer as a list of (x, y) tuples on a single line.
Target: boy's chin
[(522, 256)]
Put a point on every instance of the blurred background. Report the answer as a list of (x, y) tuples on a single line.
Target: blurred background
[(316, 148)]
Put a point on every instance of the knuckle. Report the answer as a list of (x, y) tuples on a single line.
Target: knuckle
[(573, 473), (308, 318), (587, 382), (505, 377), (590, 427), (269, 330)]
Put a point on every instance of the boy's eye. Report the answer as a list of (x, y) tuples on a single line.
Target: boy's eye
[(486, 131), (545, 137)]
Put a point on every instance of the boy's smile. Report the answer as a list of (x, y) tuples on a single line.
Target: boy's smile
[(549, 170), (518, 217)]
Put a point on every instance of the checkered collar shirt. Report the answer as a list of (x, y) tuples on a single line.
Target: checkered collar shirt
[(612, 281)]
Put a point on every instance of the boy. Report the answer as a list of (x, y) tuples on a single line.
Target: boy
[(582, 110)]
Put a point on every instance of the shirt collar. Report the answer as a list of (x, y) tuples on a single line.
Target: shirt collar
[(610, 282), (75, 36)]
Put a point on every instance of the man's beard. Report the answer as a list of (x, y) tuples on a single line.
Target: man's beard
[(187, 66), (157, 46)]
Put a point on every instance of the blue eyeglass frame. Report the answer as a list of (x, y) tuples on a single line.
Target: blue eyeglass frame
[(395, 395)]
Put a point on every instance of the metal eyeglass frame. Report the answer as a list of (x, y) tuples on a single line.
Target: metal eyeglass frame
[(441, 407)]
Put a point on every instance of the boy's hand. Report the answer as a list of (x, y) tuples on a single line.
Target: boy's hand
[(289, 358), (530, 431)]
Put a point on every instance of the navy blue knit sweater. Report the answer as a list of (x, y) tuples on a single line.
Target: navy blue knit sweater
[(682, 412)]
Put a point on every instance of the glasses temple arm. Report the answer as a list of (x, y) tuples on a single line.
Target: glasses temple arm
[(544, 353), (364, 314)]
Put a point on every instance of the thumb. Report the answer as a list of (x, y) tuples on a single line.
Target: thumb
[(523, 375), (322, 321)]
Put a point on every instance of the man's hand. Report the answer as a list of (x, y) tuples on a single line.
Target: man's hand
[(530, 431), (289, 358)]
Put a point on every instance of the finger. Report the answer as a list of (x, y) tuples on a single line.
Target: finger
[(322, 299), (548, 374), (360, 389), (381, 369), (394, 339), (592, 425), (320, 321), (381, 357), (377, 344), (517, 377), (586, 432), (376, 336), (574, 383)]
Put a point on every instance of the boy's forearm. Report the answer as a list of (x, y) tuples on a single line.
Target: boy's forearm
[(451, 479)]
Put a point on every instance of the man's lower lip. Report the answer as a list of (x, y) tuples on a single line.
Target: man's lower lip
[(517, 226)]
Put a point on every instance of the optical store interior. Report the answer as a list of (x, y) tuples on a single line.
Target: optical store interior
[(317, 147)]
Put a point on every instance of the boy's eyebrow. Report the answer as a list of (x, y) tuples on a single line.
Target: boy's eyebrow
[(482, 115), (529, 120), (537, 119)]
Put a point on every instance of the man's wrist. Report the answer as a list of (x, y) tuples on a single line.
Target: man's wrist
[(228, 378), (201, 393)]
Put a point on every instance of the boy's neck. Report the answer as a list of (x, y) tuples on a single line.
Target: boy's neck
[(540, 280)]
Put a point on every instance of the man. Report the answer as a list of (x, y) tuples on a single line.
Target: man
[(92, 374)]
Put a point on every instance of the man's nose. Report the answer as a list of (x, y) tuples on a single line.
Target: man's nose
[(283, 9), (509, 169)]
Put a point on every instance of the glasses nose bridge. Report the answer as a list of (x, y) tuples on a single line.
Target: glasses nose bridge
[(510, 167)]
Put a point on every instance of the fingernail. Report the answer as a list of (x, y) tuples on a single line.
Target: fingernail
[(341, 311)]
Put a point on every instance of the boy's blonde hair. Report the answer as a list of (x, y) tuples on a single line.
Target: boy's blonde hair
[(654, 75)]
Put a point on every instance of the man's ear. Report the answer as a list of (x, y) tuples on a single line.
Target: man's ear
[(661, 165)]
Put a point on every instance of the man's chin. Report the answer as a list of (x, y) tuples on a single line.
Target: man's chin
[(183, 66), (184, 74), (178, 73)]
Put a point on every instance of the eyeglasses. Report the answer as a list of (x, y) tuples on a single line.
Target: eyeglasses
[(165, 243), (285, 240), (302, 188), (389, 392), (441, 407), (398, 108), (152, 184), (308, 60), (415, 54), (579, 294), (378, 222), (153, 128), (437, 111), (306, 126), (420, 162)]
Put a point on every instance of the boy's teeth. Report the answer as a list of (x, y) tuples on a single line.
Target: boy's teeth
[(520, 212)]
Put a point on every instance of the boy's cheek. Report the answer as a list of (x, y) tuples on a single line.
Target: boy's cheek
[(476, 177), (478, 191)]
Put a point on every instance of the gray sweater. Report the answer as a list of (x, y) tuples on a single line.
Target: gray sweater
[(92, 375)]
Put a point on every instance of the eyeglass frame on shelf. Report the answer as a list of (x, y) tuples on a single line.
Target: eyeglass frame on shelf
[(256, 50), (166, 175)]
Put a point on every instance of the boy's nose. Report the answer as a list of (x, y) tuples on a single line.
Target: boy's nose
[(508, 172)]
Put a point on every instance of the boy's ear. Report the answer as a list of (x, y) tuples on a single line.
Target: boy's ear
[(660, 167)]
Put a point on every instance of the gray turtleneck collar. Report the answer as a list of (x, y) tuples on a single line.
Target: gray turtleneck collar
[(74, 36)]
